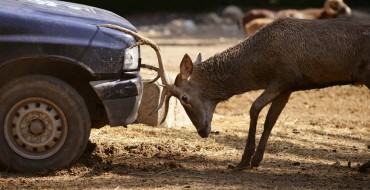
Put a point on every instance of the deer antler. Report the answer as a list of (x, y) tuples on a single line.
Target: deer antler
[(141, 40)]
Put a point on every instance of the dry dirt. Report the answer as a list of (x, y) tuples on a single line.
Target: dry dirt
[(319, 141)]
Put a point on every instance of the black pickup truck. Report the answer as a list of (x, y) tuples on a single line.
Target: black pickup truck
[(60, 75)]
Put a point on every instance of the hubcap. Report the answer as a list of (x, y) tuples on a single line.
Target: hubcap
[(35, 128)]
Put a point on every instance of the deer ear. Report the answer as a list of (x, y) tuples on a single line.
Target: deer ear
[(186, 67), (198, 60)]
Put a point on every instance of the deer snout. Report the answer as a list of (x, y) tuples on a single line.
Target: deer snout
[(204, 132)]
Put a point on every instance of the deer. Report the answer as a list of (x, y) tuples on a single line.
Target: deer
[(256, 25), (255, 14), (286, 56), (331, 9), (255, 19)]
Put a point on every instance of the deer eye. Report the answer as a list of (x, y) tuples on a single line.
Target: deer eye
[(185, 99)]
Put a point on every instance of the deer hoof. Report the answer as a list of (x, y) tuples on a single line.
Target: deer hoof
[(239, 167), (255, 163)]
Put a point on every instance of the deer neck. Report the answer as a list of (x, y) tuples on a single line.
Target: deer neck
[(221, 76)]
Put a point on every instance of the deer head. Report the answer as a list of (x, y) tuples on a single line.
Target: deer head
[(336, 7), (189, 92), (197, 105)]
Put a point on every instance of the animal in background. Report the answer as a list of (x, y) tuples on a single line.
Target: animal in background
[(331, 9), (255, 19), (256, 25), (255, 14)]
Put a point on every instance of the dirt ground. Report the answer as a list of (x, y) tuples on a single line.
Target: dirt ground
[(319, 141)]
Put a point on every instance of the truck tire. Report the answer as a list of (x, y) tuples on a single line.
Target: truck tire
[(44, 124)]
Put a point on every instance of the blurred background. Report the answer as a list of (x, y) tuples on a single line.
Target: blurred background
[(138, 6), (205, 18), (209, 26)]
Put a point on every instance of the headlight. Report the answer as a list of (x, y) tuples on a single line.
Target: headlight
[(131, 61)]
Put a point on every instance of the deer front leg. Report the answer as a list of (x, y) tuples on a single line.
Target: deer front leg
[(276, 108), (265, 98), (250, 146)]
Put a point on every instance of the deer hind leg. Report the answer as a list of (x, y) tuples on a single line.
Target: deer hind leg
[(276, 108), (265, 98)]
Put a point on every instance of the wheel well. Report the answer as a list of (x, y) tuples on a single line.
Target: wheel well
[(71, 73)]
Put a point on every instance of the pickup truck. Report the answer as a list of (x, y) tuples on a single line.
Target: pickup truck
[(61, 75)]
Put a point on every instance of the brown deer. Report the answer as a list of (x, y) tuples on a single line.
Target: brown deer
[(288, 55), (256, 25), (255, 19), (331, 9), (255, 14)]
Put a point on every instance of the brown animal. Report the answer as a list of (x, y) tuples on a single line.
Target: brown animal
[(331, 9), (255, 20), (255, 14), (256, 25), (286, 56)]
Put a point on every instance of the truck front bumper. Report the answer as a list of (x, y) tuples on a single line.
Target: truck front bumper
[(121, 99)]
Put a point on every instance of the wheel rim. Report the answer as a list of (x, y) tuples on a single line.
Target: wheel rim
[(35, 128)]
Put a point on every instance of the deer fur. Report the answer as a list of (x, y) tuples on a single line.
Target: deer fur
[(287, 55)]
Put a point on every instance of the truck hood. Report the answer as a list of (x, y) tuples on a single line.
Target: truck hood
[(63, 11)]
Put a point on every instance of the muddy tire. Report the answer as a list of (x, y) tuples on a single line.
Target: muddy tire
[(44, 124)]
